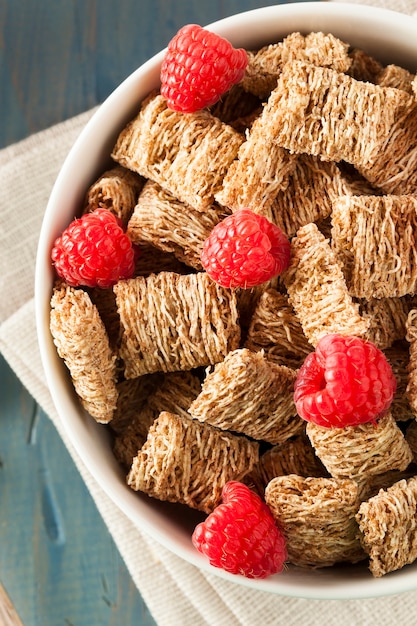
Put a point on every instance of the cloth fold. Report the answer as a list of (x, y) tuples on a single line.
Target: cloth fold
[(176, 592)]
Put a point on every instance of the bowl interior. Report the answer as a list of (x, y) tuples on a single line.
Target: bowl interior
[(387, 35)]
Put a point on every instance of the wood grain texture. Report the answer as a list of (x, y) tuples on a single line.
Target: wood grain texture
[(58, 562), (59, 58)]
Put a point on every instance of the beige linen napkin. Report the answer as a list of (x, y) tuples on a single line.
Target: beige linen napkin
[(177, 593)]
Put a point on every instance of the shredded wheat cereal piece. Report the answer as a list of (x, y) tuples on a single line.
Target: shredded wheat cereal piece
[(394, 169), (172, 322), (81, 341), (317, 48), (187, 155), (247, 394), (369, 486), (166, 223), (174, 394), (388, 525), (328, 114), (364, 67), (317, 289), (318, 519), (363, 450), (132, 397), (398, 357), (261, 170), (396, 76), (129, 441), (275, 329), (414, 85), (411, 337), (387, 317), (375, 239), (411, 438), (189, 462), (116, 190), (295, 456), (313, 185)]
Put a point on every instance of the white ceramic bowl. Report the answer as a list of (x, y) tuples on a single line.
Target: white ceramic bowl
[(391, 37)]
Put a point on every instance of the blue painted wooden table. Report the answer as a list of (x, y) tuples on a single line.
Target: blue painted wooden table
[(58, 563)]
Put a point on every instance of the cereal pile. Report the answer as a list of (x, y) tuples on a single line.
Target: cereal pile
[(196, 380)]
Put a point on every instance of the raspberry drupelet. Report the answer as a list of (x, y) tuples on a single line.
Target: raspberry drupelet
[(244, 250), (347, 381), (199, 66), (94, 251), (241, 536)]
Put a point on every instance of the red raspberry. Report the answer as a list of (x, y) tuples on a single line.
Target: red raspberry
[(241, 536), (198, 68), (94, 251), (347, 381), (245, 250)]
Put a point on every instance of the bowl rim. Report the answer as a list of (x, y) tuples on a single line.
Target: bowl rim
[(322, 585)]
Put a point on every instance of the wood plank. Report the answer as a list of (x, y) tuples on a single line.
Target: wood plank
[(58, 561)]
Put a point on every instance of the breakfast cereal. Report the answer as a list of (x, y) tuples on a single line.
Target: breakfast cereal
[(189, 462), (318, 515), (196, 381)]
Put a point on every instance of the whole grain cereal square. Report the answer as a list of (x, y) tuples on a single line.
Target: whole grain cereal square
[(317, 516), (375, 239), (396, 76), (394, 170), (398, 357), (188, 462), (388, 525), (129, 441), (317, 289), (174, 393), (329, 114), (364, 66), (294, 456), (172, 322), (275, 329), (82, 342), (369, 486), (411, 337), (133, 394), (117, 190), (387, 317), (187, 155), (318, 48), (261, 169), (363, 450), (313, 185), (166, 223), (247, 394)]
